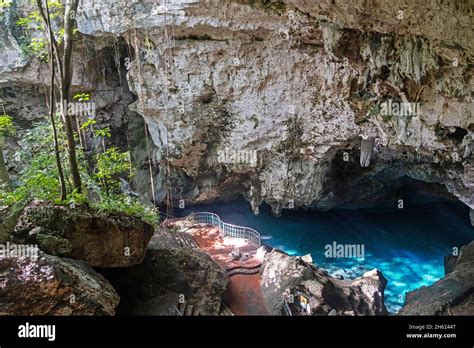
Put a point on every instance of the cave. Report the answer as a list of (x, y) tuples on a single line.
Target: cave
[(200, 158), (406, 230)]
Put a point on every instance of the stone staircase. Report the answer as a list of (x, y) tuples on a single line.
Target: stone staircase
[(243, 270), (184, 240)]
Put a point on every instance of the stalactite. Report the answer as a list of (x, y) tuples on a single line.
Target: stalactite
[(366, 149)]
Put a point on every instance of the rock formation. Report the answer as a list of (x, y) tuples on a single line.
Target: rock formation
[(9, 218), (452, 295), (99, 239), (49, 285), (170, 277), (297, 82), (290, 278), (366, 150)]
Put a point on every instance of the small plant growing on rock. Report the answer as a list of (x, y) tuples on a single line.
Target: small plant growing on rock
[(110, 165), (6, 130)]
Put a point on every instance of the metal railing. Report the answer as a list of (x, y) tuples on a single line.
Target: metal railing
[(225, 228)]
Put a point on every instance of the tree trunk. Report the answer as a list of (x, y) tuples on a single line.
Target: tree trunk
[(62, 182), (4, 177), (71, 144), (54, 57), (69, 17)]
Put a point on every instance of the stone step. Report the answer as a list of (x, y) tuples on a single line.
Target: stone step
[(189, 241), (243, 270), (185, 240)]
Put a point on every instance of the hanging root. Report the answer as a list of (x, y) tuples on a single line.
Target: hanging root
[(366, 149)]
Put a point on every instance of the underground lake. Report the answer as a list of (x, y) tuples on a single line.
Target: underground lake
[(408, 245)]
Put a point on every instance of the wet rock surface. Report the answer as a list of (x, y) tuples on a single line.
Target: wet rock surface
[(101, 239), (50, 285), (452, 295), (309, 290)]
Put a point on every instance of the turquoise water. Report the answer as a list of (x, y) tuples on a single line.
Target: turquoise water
[(408, 245)]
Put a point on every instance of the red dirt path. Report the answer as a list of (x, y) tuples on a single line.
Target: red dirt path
[(244, 295)]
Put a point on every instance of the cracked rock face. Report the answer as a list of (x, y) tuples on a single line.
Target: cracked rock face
[(301, 84)]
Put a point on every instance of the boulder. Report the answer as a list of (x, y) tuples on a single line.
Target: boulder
[(102, 239), (49, 285), (310, 290), (179, 275), (169, 276), (9, 217), (186, 275), (451, 295)]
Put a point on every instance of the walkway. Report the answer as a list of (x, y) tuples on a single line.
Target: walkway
[(243, 295), (209, 239)]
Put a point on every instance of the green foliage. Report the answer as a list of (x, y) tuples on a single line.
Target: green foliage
[(73, 198), (37, 46), (39, 178), (82, 97), (5, 3), (110, 164), (6, 126), (23, 22), (130, 206), (104, 132), (34, 20), (89, 123)]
